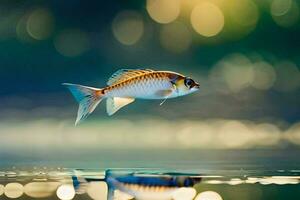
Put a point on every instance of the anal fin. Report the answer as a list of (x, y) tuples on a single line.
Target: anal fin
[(113, 104)]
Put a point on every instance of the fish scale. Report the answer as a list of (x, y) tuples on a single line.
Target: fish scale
[(144, 86)]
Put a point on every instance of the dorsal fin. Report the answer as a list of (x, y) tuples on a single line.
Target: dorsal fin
[(124, 74)]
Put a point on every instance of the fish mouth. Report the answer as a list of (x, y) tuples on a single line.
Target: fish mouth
[(197, 86)]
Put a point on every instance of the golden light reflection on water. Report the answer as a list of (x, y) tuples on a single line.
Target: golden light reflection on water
[(40, 189), (13, 190), (266, 134), (252, 180), (184, 194), (214, 182), (235, 181), (194, 135), (1, 189), (207, 134), (202, 134), (98, 190), (228, 134), (208, 195), (278, 181), (293, 134), (65, 192)]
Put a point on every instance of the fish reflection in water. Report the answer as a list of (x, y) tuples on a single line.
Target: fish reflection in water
[(142, 186)]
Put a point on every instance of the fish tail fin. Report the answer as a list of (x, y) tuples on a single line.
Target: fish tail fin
[(87, 97), (81, 181)]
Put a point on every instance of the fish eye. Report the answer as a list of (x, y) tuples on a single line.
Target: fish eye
[(188, 82)]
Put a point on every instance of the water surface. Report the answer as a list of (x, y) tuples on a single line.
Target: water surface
[(155, 174)]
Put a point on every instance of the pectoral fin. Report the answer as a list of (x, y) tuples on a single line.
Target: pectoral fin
[(116, 103), (164, 93)]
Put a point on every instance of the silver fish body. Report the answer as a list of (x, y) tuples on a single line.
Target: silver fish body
[(126, 85), (143, 88)]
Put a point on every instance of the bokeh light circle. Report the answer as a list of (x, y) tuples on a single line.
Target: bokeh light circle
[(234, 134), (195, 135), (264, 76), (280, 7), (293, 134), (241, 18), (207, 19), (40, 189), (65, 192), (285, 13), (13, 190), (232, 68), (244, 12), (22, 32), (175, 37), (266, 134), (40, 24), (184, 193), (163, 11), (208, 195), (128, 27), (1, 189)]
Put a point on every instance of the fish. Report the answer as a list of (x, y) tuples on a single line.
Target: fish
[(138, 185), (126, 85)]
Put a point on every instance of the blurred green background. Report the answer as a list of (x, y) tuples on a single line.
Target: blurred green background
[(244, 53)]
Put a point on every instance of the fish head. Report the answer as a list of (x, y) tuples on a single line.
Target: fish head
[(186, 85)]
